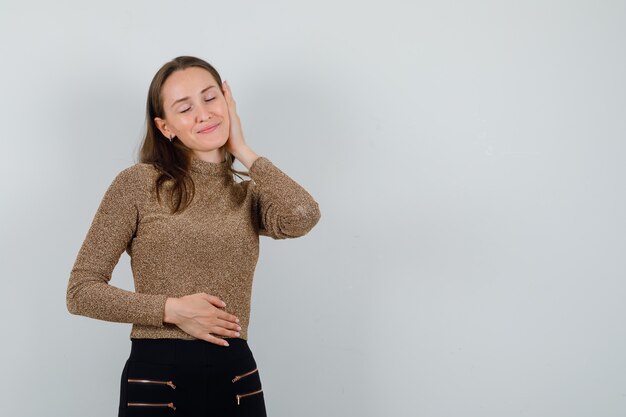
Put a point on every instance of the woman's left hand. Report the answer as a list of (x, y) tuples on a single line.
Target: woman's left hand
[(235, 140)]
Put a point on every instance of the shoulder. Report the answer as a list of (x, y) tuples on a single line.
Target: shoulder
[(135, 179), (140, 171)]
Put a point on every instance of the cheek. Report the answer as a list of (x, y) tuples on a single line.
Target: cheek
[(226, 116), (223, 107), (185, 122)]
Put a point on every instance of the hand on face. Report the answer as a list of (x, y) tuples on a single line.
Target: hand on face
[(235, 140)]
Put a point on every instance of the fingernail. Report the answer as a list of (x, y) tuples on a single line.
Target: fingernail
[(237, 320), (237, 334), (226, 343), (238, 327)]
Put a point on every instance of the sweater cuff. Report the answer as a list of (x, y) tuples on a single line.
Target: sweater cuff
[(261, 166), (154, 307)]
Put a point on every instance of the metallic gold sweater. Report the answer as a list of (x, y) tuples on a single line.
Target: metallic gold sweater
[(212, 246)]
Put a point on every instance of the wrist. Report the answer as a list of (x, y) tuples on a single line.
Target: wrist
[(246, 156), (169, 315)]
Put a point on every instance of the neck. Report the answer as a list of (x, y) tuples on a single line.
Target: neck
[(215, 155), (210, 169)]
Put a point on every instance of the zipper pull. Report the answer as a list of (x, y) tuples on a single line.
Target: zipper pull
[(238, 377), (150, 381)]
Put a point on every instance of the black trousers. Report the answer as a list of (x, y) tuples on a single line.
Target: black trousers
[(191, 378)]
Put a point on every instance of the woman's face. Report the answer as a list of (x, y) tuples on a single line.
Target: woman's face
[(193, 103)]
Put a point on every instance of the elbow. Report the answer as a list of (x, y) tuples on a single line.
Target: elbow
[(303, 220), (312, 217), (72, 303), (296, 223), (71, 307)]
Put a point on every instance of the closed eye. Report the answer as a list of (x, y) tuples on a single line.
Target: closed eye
[(212, 98)]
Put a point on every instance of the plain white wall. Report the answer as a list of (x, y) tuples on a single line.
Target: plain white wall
[(467, 156)]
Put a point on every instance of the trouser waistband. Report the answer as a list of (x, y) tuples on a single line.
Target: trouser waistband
[(182, 351)]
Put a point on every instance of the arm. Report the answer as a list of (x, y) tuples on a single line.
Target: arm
[(284, 209), (113, 227)]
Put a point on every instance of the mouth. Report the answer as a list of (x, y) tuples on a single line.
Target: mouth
[(209, 129)]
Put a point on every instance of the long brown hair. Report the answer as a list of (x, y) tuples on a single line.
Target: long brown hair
[(173, 159)]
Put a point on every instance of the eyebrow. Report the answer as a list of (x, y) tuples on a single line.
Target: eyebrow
[(187, 98)]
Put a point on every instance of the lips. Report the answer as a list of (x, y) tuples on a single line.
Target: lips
[(209, 128)]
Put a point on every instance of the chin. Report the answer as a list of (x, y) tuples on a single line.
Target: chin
[(212, 141)]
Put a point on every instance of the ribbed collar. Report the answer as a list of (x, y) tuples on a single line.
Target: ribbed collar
[(217, 169)]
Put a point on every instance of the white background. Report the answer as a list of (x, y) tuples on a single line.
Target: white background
[(467, 156)]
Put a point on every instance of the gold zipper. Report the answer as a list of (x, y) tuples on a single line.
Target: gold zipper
[(240, 396), (170, 405), (150, 381), (238, 377)]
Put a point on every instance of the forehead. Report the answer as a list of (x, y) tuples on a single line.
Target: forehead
[(186, 83)]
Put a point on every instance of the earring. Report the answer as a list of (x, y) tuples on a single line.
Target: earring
[(171, 138)]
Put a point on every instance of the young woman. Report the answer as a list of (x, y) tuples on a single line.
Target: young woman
[(192, 233)]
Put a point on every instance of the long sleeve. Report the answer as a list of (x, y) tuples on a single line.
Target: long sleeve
[(284, 209), (114, 225)]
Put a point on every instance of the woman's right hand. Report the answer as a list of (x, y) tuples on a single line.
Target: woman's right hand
[(199, 315)]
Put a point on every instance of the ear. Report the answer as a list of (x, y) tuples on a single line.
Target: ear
[(162, 126)]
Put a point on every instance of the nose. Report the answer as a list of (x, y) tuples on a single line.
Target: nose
[(202, 114)]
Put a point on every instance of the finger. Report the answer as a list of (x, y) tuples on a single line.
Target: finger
[(214, 300), (216, 340), (227, 316), (228, 325), (224, 332), (229, 95)]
